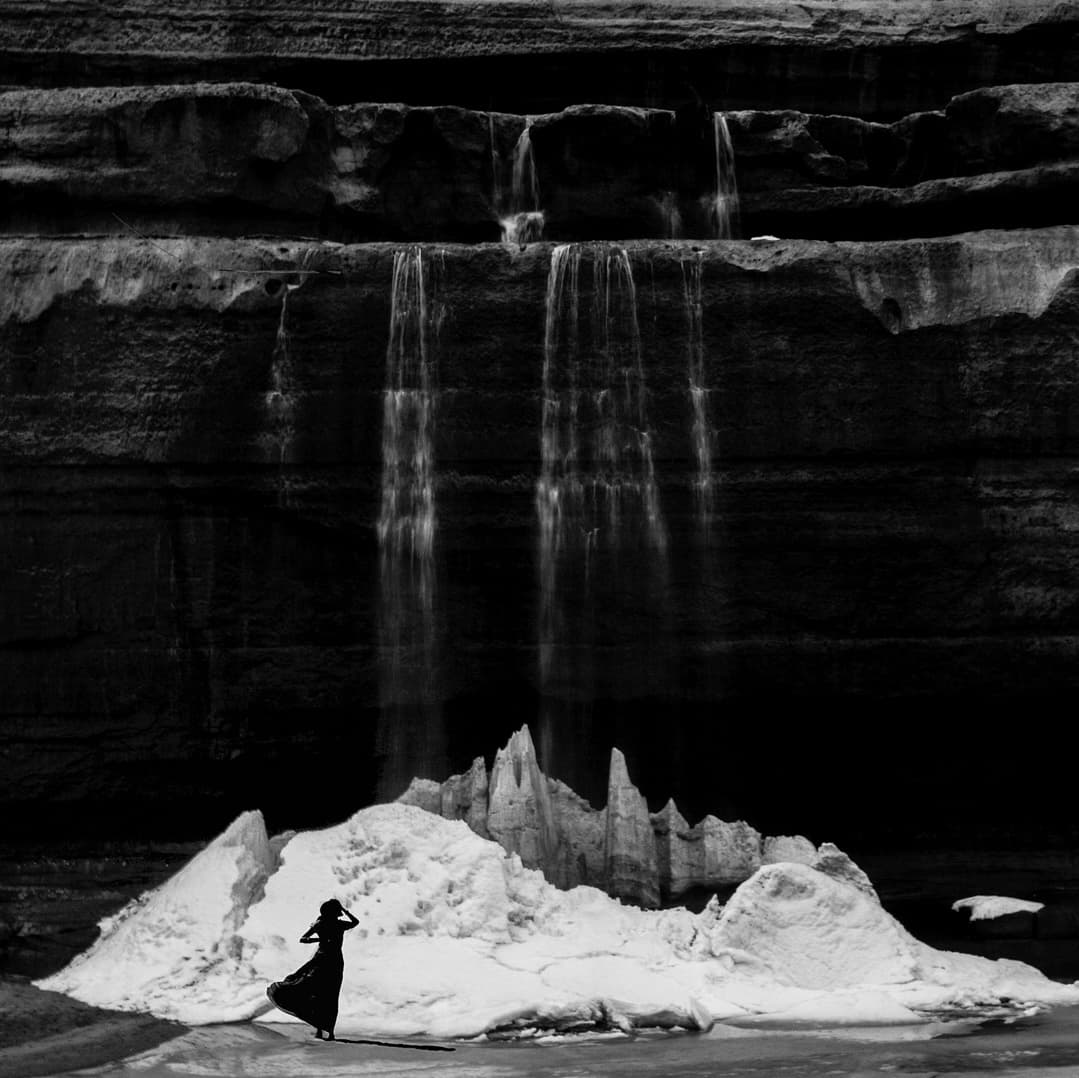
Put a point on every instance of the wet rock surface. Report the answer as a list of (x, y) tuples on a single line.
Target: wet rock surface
[(894, 432), (235, 159), (191, 420)]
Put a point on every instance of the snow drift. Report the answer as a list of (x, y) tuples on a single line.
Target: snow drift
[(457, 938)]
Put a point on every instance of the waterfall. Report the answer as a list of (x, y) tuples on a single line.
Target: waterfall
[(524, 222), (406, 523), (700, 431), (280, 402), (725, 201), (525, 184), (597, 488), (670, 215), (410, 736)]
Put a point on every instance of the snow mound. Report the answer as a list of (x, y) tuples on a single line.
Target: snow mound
[(810, 930), (457, 938), (171, 950), (832, 861), (988, 907), (779, 848)]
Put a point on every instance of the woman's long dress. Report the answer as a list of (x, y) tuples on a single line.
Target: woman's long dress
[(310, 993)]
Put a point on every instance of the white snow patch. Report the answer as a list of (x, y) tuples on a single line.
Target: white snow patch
[(832, 861), (987, 907), (780, 848), (457, 938), (837, 1009), (173, 950)]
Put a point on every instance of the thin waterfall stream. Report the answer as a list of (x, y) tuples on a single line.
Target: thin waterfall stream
[(597, 498), (409, 735), (725, 198), (700, 428), (280, 402), (524, 221)]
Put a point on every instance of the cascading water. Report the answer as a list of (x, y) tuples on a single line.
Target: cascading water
[(524, 221), (280, 401), (410, 740), (525, 184), (597, 494), (724, 210), (670, 215), (700, 430)]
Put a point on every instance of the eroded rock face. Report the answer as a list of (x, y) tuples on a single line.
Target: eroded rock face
[(230, 159), (1014, 127), (675, 862), (245, 158), (893, 431), (630, 845), (621, 848), (465, 797), (519, 815), (825, 55)]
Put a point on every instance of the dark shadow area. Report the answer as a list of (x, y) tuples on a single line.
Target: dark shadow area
[(397, 1044), (880, 84)]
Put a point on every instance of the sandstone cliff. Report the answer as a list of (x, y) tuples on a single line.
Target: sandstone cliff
[(893, 428), (857, 440), (242, 158), (842, 56)]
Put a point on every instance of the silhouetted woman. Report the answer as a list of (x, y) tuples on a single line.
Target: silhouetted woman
[(310, 993)]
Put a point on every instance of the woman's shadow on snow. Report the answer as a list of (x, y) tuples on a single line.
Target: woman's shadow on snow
[(399, 1044)]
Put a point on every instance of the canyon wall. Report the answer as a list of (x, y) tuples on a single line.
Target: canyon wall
[(238, 159), (190, 600), (856, 57), (728, 504)]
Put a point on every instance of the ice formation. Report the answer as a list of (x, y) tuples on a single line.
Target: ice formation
[(622, 848), (989, 907), (457, 938)]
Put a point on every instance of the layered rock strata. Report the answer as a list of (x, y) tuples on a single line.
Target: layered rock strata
[(246, 158), (852, 56), (899, 354), (623, 849), (895, 428)]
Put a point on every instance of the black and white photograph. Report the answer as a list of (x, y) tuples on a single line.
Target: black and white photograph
[(539, 538)]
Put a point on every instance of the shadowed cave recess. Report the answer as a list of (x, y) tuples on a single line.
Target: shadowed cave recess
[(694, 379)]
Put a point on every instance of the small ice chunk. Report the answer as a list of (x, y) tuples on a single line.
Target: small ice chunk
[(987, 907)]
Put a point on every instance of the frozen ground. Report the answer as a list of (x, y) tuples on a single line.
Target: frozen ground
[(457, 938), (1046, 1046)]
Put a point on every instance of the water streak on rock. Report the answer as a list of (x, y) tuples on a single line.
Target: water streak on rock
[(597, 486), (725, 202), (700, 430), (281, 402), (410, 737), (524, 222), (670, 215)]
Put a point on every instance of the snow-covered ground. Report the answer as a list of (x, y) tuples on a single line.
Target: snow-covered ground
[(456, 938)]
